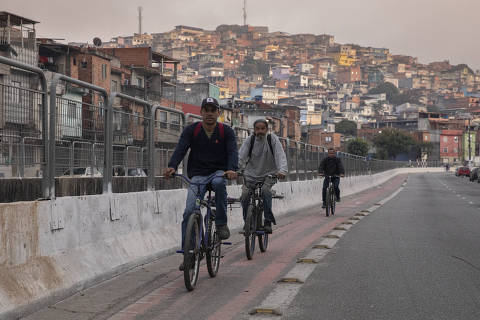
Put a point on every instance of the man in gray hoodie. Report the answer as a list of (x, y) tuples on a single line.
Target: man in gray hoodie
[(265, 158)]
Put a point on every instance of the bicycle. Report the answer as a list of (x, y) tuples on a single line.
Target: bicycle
[(330, 197), (254, 221), (200, 241)]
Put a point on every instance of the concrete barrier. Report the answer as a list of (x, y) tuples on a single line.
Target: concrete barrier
[(52, 249)]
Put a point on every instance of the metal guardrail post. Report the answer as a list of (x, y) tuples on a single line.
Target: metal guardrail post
[(296, 161), (305, 168), (22, 158), (44, 113), (53, 115), (72, 157)]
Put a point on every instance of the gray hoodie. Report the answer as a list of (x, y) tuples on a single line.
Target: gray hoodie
[(262, 162)]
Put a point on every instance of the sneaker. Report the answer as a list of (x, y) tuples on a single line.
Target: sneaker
[(324, 205), (181, 267), (223, 232), (268, 227)]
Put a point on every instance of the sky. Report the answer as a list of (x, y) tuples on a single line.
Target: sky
[(432, 30)]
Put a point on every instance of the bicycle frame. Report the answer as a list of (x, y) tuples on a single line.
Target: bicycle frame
[(208, 204)]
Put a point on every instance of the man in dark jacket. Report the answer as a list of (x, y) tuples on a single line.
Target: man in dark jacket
[(331, 166), (213, 151)]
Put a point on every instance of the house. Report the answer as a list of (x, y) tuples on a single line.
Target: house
[(450, 146)]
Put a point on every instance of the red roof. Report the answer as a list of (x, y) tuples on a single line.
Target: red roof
[(190, 108)]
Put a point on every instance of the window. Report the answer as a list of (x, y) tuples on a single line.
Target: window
[(328, 139), (163, 119), (74, 61), (114, 86), (139, 82), (104, 71), (425, 138), (175, 121), (445, 139), (455, 150), (71, 109), (445, 150)]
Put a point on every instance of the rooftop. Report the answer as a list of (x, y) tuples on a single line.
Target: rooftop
[(14, 19)]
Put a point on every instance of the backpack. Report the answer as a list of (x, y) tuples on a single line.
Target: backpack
[(198, 127), (252, 142)]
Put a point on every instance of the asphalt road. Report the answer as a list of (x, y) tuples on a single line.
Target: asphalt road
[(416, 257), (156, 290)]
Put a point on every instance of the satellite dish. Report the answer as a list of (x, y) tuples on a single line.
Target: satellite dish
[(97, 42)]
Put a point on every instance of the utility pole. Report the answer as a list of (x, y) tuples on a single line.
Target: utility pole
[(469, 144), (140, 9), (244, 12)]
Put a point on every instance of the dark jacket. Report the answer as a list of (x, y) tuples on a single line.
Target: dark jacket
[(331, 166), (206, 155)]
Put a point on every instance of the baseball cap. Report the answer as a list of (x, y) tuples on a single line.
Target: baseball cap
[(210, 101)]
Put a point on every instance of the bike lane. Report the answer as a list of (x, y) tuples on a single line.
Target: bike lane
[(242, 283)]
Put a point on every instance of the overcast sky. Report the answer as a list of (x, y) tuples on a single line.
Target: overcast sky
[(431, 30)]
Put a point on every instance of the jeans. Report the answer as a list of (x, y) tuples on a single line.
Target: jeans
[(266, 194), (220, 189), (336, 183)]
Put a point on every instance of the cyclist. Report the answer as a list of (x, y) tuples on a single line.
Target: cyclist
[(331, 166), (262, 155), (213, 151)]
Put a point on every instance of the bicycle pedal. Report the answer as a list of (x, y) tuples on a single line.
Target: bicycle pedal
[(179, 251), (227, 243)]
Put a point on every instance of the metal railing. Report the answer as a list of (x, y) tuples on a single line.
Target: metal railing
[(99, 134)]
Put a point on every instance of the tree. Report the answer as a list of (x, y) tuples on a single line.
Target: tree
[(358, 147), (346, 127), (385, 87), (392, 142)]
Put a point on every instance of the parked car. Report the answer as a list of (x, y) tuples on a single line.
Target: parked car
[(120, 171), (136, 172), (462, 171), (84, 172), (474, 174)]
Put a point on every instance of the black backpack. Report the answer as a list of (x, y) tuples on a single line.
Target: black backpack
[(252, 142)]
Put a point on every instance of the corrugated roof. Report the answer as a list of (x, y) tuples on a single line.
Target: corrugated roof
[(15, 20)]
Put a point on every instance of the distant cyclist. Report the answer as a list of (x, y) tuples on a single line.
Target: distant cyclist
[(213, 150), (262, 155), (333, 167)]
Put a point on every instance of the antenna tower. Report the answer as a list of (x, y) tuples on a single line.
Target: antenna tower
[(140, 9), (244, 12)]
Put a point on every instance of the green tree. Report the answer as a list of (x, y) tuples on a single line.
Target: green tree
[(358, 147), (346, 127), (385, 87), (392, 142)]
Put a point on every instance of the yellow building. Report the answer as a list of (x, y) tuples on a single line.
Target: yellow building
[(314, 117), (271, 48), (224, 93)]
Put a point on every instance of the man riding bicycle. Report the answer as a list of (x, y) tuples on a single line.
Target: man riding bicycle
[(213, 151), (261, 155), (331, 166)]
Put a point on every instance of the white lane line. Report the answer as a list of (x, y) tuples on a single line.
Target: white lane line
[(471, 202)]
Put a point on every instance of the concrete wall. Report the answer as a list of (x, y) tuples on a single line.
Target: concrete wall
[(51, 249)]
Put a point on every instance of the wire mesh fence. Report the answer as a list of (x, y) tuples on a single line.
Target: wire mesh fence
[(91, 133)]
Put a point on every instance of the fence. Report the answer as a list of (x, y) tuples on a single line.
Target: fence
[(94, 134)]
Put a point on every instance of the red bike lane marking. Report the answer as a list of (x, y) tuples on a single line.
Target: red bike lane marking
[(182, 302)]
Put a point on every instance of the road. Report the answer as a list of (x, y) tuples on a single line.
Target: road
[(415, 257)]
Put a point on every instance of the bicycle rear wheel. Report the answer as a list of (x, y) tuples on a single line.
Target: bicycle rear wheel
[(262, 238), (327, 202), (214, 248), (332, 202), (191, 253), (250, 232)]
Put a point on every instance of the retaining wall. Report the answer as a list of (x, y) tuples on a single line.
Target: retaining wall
[(51, 249)]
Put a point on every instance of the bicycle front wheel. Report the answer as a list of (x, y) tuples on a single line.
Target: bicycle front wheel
[(262, 238), (214, 248), (191, 253), (250, 232), (332, 202)]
